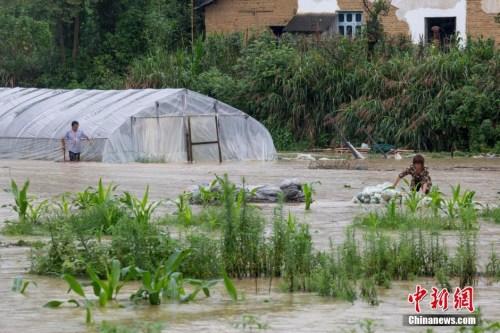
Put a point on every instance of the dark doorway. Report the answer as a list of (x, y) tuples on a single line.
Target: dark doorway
[(277, 30), (447, 29)]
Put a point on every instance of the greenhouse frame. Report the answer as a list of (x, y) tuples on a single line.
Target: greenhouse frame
[(148, 125)]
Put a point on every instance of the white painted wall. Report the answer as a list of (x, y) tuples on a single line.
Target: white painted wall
[(317, 6), (491, 6), (414, 13)]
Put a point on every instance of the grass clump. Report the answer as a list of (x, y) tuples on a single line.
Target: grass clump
[(135, 327), (380, 259), (491, 214), (433, 212), (493, 265)]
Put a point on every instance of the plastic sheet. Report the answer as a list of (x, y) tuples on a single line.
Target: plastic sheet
[(291, 189), (127, 125), (377, 194)]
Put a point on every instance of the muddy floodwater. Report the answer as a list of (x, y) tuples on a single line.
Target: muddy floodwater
[(332, 212)]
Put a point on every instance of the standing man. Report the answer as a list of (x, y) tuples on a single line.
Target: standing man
[(72, 142)]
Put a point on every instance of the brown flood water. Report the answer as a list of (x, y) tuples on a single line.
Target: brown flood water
[(282, 312)]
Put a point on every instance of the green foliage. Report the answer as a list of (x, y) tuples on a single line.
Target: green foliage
[(26, 47), (230, 288), (369, 291), (71, 248), (107, 290), (140, 244), (308, 189), (242, 232), (166, 282), (21, 200), (493, 265), (204, 259), (380, 259), (102, 202), (142, 210), (465, 262), (136, 327), (184, 211), (77, 288), (492, 214), (268, 76), (432, 211), (250, 323)]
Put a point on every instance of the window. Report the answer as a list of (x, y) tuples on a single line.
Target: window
[(349, 23)]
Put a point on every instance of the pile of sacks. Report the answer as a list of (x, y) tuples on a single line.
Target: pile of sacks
[(377, 194), (290, 188)]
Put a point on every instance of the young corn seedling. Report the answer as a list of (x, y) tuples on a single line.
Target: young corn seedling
[(64, 205), (412, 201), (142, 210), (77, 288), (309, 191), (107, 290), (436, 200), (20, 284), (165, 282), (184, 211), (207, 193), (21, 200)]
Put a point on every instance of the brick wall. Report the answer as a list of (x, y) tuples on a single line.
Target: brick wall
[(480, 23), (392, 25), (226, 16)]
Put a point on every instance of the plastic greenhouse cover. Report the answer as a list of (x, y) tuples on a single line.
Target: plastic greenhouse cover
[(128, 125)]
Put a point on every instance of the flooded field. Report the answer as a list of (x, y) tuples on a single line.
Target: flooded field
[(332, 212)]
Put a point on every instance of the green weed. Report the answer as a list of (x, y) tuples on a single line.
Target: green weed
[(135, 327), (492, 214)]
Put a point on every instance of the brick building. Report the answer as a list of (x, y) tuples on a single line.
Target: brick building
[(415, 18)]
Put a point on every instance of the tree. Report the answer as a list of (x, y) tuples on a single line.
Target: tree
[(374, 28), (26, 47)]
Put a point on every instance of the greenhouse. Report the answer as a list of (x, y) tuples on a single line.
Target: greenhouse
[(167, 125)]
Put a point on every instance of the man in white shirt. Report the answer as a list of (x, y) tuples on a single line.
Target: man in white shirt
[(72, 142)]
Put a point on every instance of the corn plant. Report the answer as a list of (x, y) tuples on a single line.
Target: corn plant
[(309, 191), (107, 290), (164, 282), (207, 193), (436, 200), (142, 210), (184, 212), (459, 202), (412, 201), (95, 197), (20, 284), (21, 200), (77, 288), (230, 288), (36, 212), (64, 205)]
